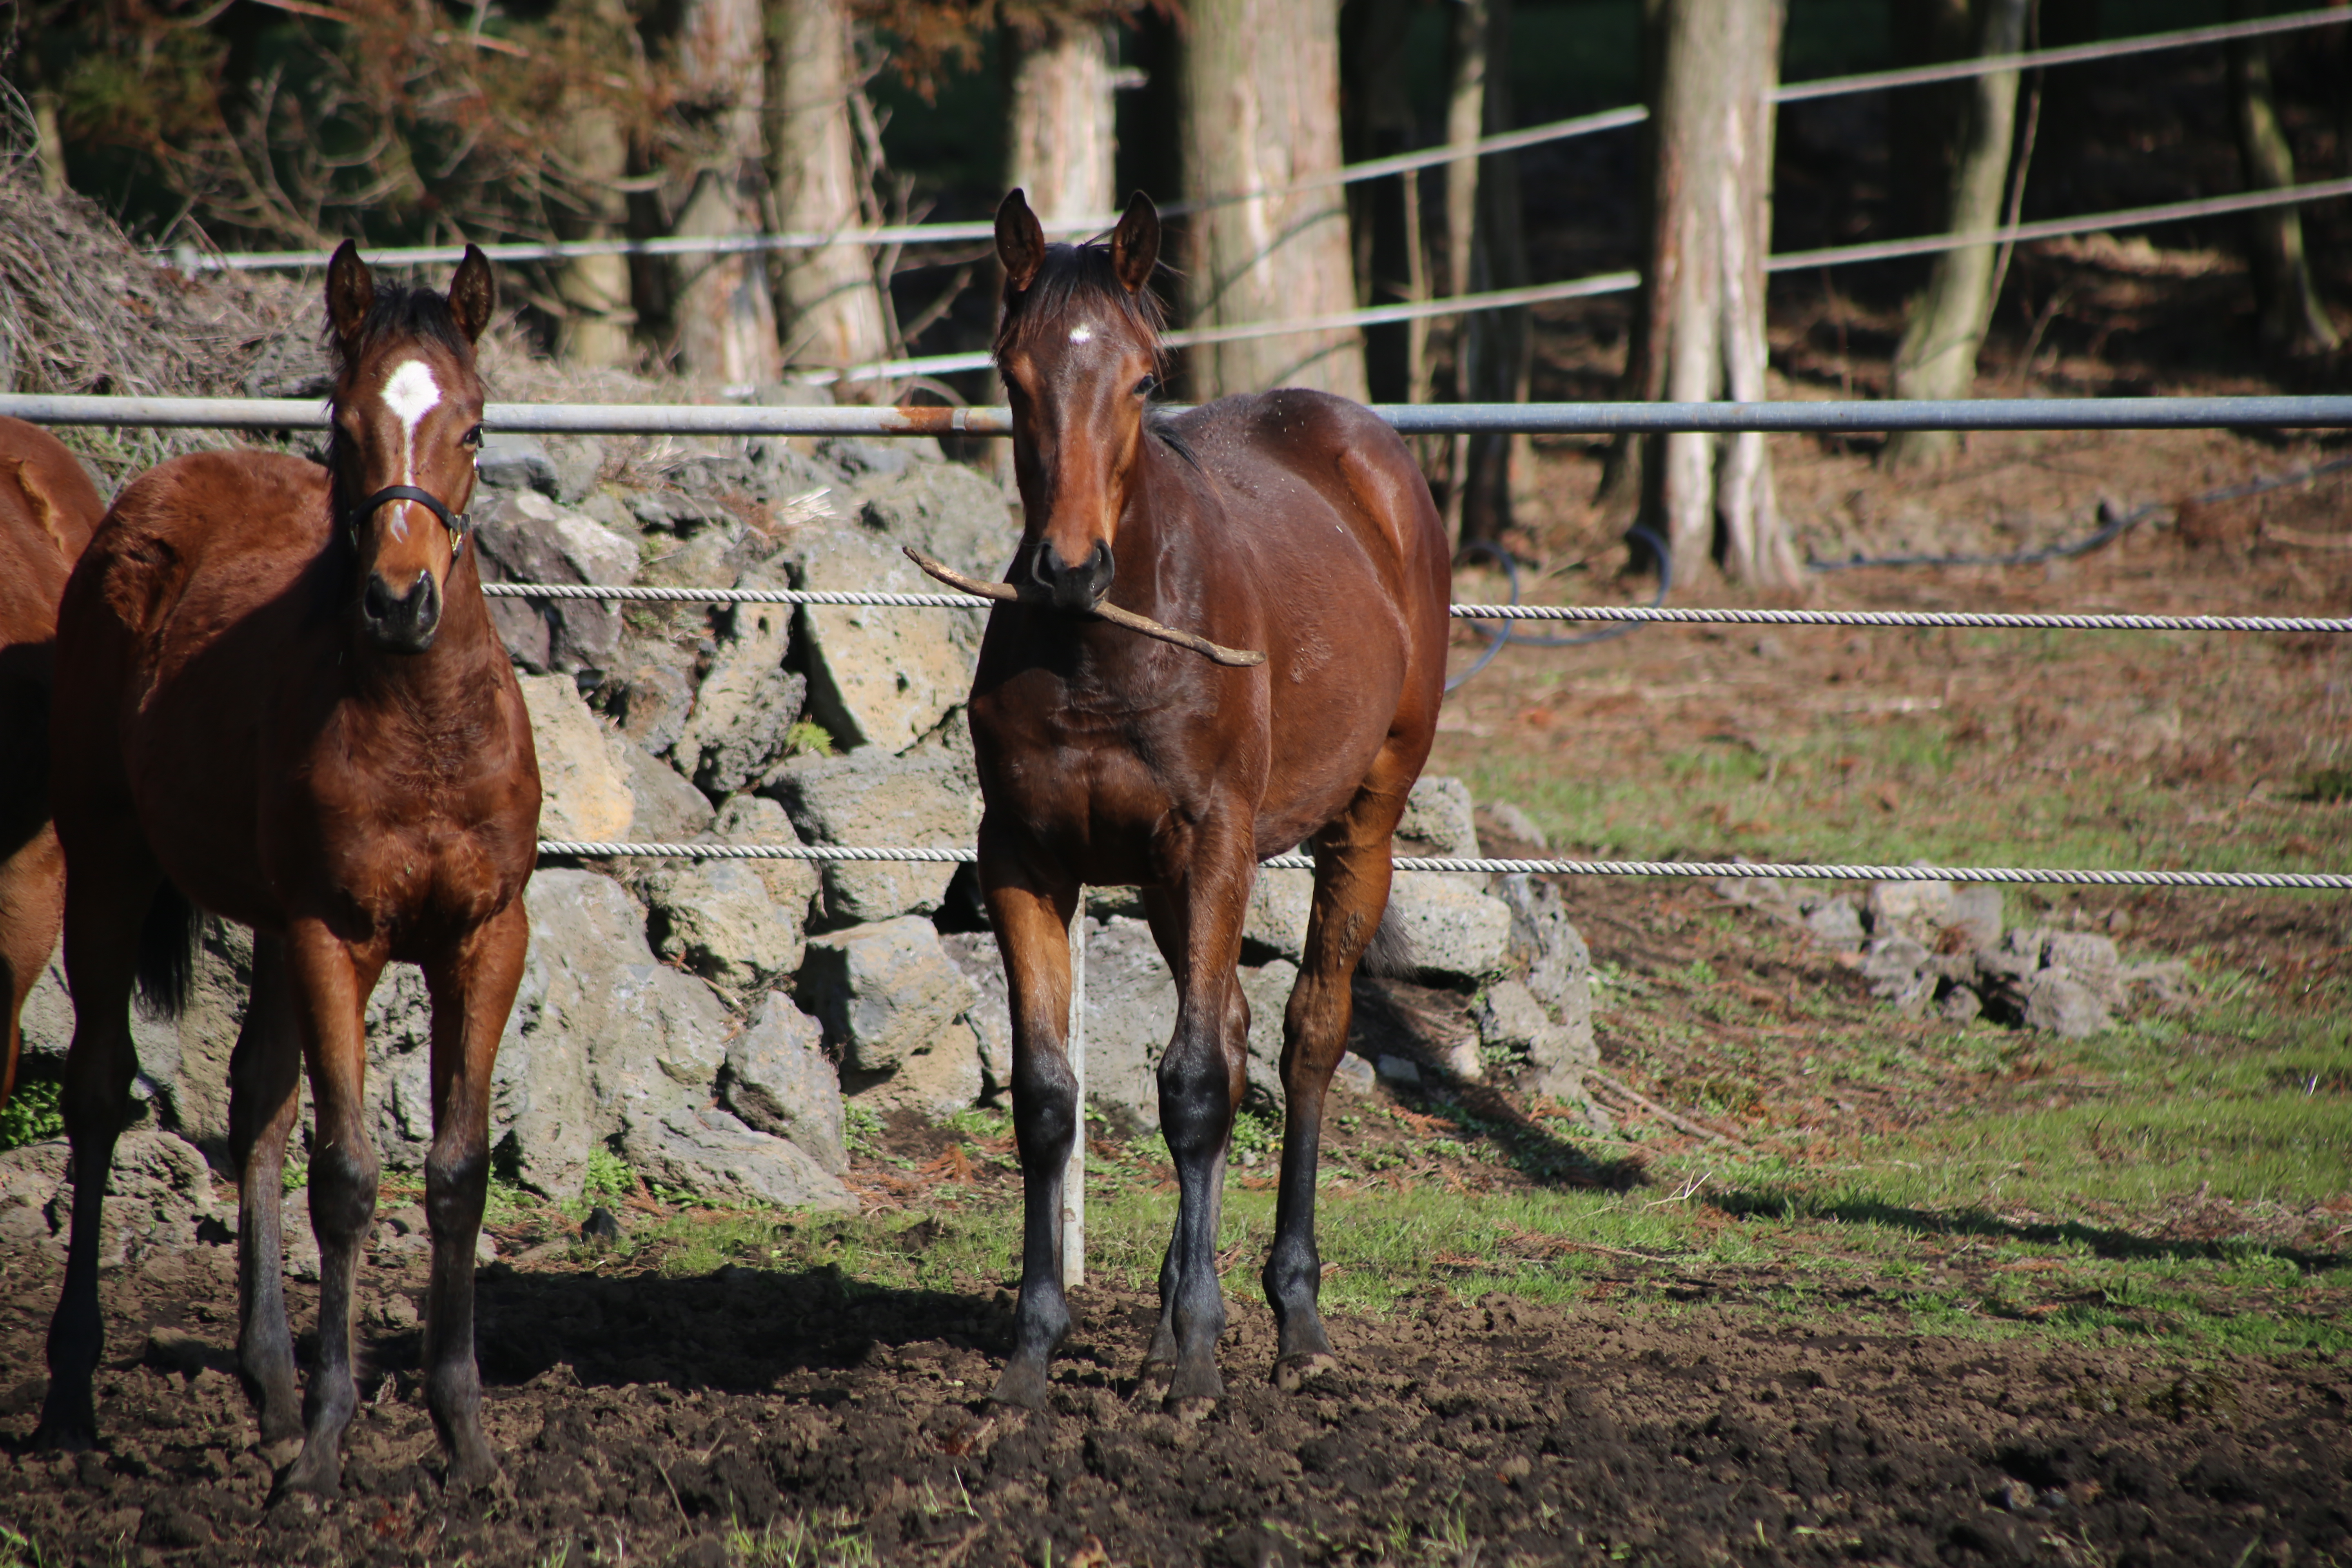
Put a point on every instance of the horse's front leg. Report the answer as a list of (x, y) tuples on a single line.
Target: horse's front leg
[(473, 990), (330, 984), (264, 1075), (1202, 1077), (1032, 916)]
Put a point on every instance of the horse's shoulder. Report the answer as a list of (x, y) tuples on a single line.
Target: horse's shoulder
[(177, 518)]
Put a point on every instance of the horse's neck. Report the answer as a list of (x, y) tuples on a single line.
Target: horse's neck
[(1162, 516)]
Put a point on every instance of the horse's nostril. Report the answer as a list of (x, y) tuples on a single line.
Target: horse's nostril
[(376, 603)]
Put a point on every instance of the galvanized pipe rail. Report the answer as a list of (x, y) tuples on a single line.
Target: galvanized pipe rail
[(1859, 415)]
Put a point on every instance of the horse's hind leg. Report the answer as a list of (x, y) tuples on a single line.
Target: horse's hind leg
[(265, 1091), (1352, 873), (1032, 922), (112, 884), (472, 994), (331, 986)]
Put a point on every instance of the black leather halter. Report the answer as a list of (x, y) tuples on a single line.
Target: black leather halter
[(458, 523)]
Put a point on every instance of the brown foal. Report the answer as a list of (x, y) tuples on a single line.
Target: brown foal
[(48, 509), (1291, 523), (281, 698)]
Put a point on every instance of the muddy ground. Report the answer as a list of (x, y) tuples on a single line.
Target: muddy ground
[(797, 1417)]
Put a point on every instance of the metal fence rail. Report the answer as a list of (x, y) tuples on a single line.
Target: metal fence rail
[(1857, 415)]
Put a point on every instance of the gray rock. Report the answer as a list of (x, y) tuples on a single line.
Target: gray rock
[(929, 797), (1900, 970), (665, 808), (1960, 1005), (675, 511), (1557, 963), (1354, 1075), (582, 776), (2091, 959), (1975, 911), (1915, 910), (778, 1080), (975, 957), (950, 513), (707, 1150), (510, 459), (882, 992), (747, 700), (523, 537), (2018, 956), (1507, 817), (1834, 921), (1458, 934), (1275, 919), (183, 1078), (576, 462), (651, 702), (1513, 1024), (2056, 1002), (1402, 1072), (855, 457), (754, 819), (158, 1192), (878, 677), (1438, 820), (715, 917)]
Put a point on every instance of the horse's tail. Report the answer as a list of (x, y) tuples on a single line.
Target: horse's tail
[(167, 954), (1391, 954)]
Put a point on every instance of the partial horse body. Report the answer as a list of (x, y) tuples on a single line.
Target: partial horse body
[(49, 510), (281, 698), (1293, 523)]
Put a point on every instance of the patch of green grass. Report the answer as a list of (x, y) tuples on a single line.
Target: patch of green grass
[(610, 1178), (861, 1129), (808, 738), (834, 1540), (18, 1550), (31, 1116)]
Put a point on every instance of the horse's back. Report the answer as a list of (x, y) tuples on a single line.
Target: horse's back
[(195, 545), (48, 509)]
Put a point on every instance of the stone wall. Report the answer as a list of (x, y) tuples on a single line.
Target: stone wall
[(705, 1020)]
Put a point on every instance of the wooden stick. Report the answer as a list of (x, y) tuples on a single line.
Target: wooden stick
[(1681, 1123), (1006, 593), (2277, 535)]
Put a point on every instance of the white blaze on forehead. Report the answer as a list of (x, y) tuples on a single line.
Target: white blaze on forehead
[(410, 392), (1082, 334)]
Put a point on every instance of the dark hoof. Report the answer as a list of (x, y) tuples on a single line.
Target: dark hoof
[(317, 1471), (1197, 1381), (53, 1437), (1292, 1372), (1022, 1387), (477, 1471)]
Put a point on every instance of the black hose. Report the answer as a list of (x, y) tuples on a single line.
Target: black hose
[(1509, 631)]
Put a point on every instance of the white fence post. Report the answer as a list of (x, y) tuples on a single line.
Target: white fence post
[(1074, 1175)]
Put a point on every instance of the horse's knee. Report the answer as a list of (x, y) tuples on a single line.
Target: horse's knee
[(1196, 1107), (343, 1188), (1044, 1108), (456, 1184)]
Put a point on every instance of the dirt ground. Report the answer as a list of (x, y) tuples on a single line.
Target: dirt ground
[(650, 1419)]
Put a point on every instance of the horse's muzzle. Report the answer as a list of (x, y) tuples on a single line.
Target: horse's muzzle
[(402, 623), (1080, 588)]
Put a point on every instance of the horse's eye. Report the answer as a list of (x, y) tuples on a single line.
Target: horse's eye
[(472, 438), (1147, 386)]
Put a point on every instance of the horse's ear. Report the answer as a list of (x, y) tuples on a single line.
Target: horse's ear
[(473, 293), (1135, 243), (351, 290), (1020, 242)]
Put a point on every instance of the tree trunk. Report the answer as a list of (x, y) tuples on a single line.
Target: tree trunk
[(1937, 356), (1497, 346), (1064, 141), (2293, 318), (1261, 112), (1379, 123), (592, 150), (1923, 123), (726, 321), (1710, 220), (832, 308)]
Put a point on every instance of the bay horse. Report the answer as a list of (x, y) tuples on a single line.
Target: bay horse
[(49, 510), (281, 698), (1291, 523)]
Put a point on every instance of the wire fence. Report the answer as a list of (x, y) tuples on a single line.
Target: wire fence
[(191, 259), (823, 854)]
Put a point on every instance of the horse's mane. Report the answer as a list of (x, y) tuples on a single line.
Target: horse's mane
[(1075, 275)]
